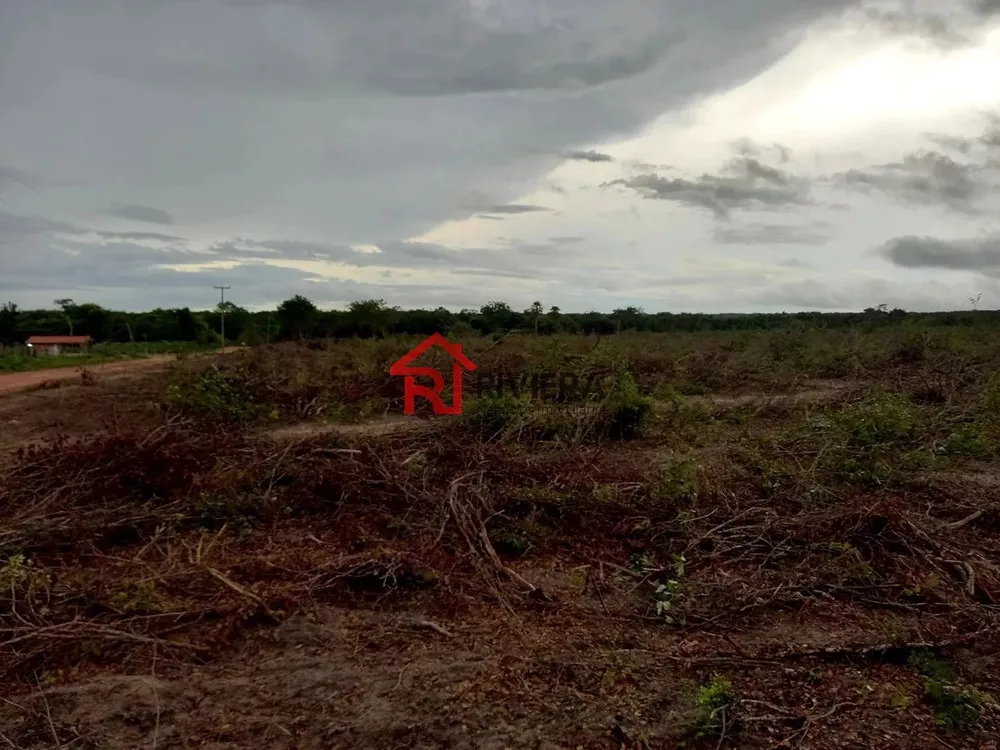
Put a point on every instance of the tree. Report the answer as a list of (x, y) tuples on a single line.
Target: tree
[(629, 317), (372, 317), (496, 316), (535, 311), (296, 317), (189, 327), (67, 306), (236, 318), (91, 320), (8, 323)]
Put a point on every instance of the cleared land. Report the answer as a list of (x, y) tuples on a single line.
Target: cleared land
[(754, 540)]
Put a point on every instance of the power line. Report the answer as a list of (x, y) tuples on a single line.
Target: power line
[(222, 310)]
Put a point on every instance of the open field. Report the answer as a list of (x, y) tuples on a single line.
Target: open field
[(764, 540)]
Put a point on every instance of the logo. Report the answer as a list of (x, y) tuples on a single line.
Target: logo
[(403, 367)]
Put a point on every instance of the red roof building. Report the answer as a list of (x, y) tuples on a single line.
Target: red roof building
[(52, 345)]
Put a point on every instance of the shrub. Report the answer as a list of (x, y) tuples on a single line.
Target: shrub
[(714, 705), (883, 420), (967, 440), (214, 393), (677, 481), (492, 415), (955, 708), (624, 412)]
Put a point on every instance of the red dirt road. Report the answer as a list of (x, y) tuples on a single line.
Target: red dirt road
[(21, 381)]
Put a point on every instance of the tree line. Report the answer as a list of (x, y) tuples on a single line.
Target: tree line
[(299, 318)]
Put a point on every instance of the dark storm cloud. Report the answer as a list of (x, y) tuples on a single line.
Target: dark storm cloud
[(927, 178), (960, 183), (12, 225), (350, 122), (934, 27), (745, 182), (136, 212), (772, 234), (592, 156), (946, 26), (973, 254), (359, 121)]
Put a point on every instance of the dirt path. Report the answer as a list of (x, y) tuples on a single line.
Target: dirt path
[(21, 381)]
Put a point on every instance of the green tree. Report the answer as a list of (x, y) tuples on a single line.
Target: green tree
[(372, 317), (237, 319), (628, 318), (496, 316), (67, 306), (8, 323), (296, 317), (535, 311), (91, 320)]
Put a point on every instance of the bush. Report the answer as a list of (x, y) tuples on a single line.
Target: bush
[(712, 704), (883, 420), (955, 708), (493, 415), (624, 412), (214, 393), (967, 440)]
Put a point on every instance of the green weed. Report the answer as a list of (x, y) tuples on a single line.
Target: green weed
[(140, 598), (715, 704), (677, 481), (214, 393), (883, 420), (967, 440), (492, 415), (955, 708)]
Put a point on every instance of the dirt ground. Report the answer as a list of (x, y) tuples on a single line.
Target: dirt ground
[(399, 582), (20, 381)]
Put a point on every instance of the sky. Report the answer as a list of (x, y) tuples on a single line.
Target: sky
[(675, 155)]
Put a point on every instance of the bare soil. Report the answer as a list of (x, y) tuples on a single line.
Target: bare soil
[(401, 582), (20, 381)]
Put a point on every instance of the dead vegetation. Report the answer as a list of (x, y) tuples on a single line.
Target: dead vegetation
[(702, 556)]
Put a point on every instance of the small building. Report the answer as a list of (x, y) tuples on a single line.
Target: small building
[(50, 346)]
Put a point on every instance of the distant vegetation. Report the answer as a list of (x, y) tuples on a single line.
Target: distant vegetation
[(300, 318)]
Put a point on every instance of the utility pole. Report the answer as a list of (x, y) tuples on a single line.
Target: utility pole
[(222, 310)]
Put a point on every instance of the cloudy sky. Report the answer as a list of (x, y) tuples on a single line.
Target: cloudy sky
[(684, 155)]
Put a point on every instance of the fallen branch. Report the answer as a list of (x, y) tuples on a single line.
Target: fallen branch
[(416, 622), (241, 590), (966, 521), (883, 650), (472, 528)]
